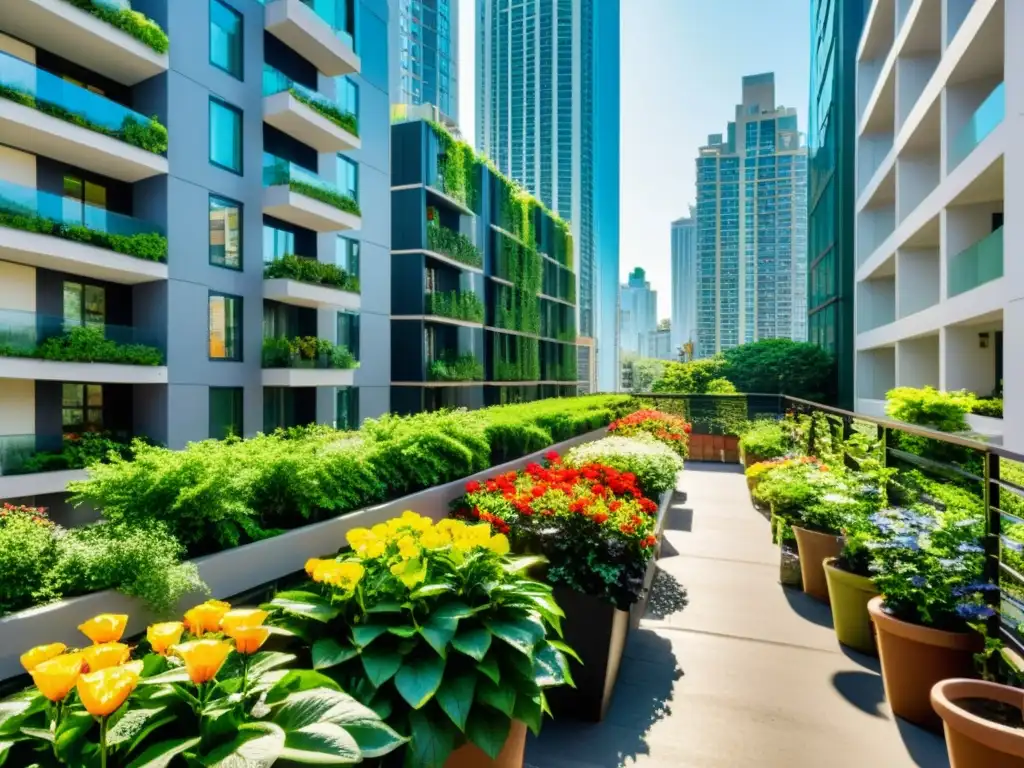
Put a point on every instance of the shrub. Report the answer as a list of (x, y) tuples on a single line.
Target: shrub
[(654, 464), (27, 553), (291, 267), (150, 246), (928, 407), (331, 197), (766, 439), (453, 244), (331, 111), (299, 351), (692, 377), (988, 406), (134, 23), (87, 345), (670, 430), (465, 367), (459, 305), (796, 368), (78, 451), (721, 387)]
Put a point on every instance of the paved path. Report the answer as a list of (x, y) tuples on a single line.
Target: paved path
[(731, 670)]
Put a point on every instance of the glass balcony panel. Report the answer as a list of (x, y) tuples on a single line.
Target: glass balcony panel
[(15, 450), (275, 81), (278, 171), (985, 119), (336, 14), (22, 332), (979, 264)]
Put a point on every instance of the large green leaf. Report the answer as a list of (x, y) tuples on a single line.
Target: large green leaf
[(528, 710), (472, 642), (501, 697), (431, 590), (160, 755), (489, 666), (432, 740), (403, 630), (455, 609), (73, 727), (321, 744), (296, 680), (455, 696), (385, 606), (379, 665), (328, 652), (298, 596), (321, 705), (439, 631), (15, 710), (522, 634), (564, 648), (488, 729), (550, 667), (365, 634), (176, 675), (130, 724), (518, 564), (263, 662), (320, 611), (257, 745), (375, 739), (418, 679)]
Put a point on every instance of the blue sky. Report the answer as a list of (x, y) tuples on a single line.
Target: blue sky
[(682, 61)]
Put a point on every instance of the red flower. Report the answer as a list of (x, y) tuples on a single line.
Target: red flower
[(627, 529), (492, 486), (600, 517), (509, 495), (597, 490), (650, 541), (615, 506), (472, 486), (552, 456), (538, 491)]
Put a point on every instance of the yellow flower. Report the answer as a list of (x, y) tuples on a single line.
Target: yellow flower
[(435, 538), (381, 530), (366, 543), (105, 628), (311, 565), (373, 549), (242, 618), (410, 572), (31, 659), (162, 636), (55, 678), (203, 658), (343, 575), (357, 536), (206, 616), (498, 543), (249, 639), (105, 655), (409, 520), (408, 548), (104, 691)]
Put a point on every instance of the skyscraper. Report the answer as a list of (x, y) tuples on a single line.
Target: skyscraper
[(831, 140), (639, 312), (684, 280), (425, 67), (752, 226), (548, 116)]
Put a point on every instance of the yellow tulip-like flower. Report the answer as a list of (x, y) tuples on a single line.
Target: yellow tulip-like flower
[(162, 636), (105, 655), (498, 543), (105, 628), (342, 575), (311, 565), (249, 639), (409, 521), (408, 547), (206, 617), (410, 572), (103, 692), (33, 658), (55, 678), (381, 531), (203, 658), (242, 618)]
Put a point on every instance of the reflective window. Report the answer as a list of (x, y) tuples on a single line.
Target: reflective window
[(225, 233), (82, 407), (348, 177), (225, 136), (226, 38), (84, 305), (277, 243), (225, 327), (348, 332), (226, 412), (348, 408)]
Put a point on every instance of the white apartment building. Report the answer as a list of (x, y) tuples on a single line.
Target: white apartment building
[(940, 160)]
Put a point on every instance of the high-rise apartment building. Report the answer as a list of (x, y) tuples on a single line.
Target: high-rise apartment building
[(939, 169), (752, 226), (639, 308), (684, 280), (218, 269), (424, 65), (548, 116), (831, 145)]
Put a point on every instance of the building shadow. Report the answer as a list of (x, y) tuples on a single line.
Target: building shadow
[(863, 690), (679, 518), (869, 663), (668, 596), (715, 466), (806, 607)]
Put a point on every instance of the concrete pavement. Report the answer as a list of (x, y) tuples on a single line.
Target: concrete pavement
[(731, 670)]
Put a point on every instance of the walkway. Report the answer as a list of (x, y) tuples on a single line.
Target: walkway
[(730, 670)]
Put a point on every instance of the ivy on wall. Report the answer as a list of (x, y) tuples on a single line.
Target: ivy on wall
[(559, 362), (515, 358), (456, 166)]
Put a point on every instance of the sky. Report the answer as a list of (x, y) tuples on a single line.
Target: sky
[(682, 61)]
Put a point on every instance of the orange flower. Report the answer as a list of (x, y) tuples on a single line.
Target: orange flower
[(162, 636), (206, 617), (242, 618), (105, 655), (105, 628), (103, 692), (249, 639), (31, 659), (203, 658), (55, 678)]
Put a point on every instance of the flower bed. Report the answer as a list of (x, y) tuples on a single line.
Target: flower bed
[(673, 431), (654, 464)]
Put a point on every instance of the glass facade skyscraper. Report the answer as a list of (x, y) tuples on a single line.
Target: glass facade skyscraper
[(752, 226), (836, 26), (684, 280), (424, 69)]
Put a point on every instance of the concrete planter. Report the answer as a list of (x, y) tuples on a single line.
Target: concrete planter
[(238, 570)]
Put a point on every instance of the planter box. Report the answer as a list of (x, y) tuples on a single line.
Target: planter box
[(238, 570), (724, 448), (659, 527)]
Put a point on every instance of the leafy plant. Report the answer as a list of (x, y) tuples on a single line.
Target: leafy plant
[(988, 406), (666, 428), (692, 377), (459, 305), (515, 358), (291, 267), (150, 246), (454, 245), (795, 368), (331, 111), (27, 553), (435, 628), (86, 345), (78, 451), (927, 406), (654, 464), (766, 439), (331, 197), (456, 166), (835, 513), (306, 352), (456, 368), (134, 23)]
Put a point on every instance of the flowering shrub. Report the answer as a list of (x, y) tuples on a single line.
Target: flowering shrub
[(766, 439), (790, 484), (671, 430), (591, 522), (433, 626), (654, 464), (195, 692)]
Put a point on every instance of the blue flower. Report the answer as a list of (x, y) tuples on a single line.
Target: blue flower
[(918, 581), (907, 542), (978, 587), (970, 549), (951, 562), (974, 612), (1016, 546)]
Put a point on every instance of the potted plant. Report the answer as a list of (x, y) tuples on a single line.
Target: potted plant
[(763, 439), (200, 692), (927, 568), (819, 536), (434, 627), (850, 587)]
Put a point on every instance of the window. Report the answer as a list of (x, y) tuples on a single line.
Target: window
[(226, 38), (80, 198), (82, 407), (225, 412), (225, 233), (348, 332), (348, 177), (348, 255), (277, 243), (225, 136), (84, 305), (225, 327), (348, 408), (348, 96)]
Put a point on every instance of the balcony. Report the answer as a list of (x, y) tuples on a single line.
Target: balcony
[(979, 264), (44, 347), (306, 115), (45, 115), (49, 231), (304, 282), (316, 30), (986, 118), (87, 39), (39, 463), (307, 362), (300, 197)]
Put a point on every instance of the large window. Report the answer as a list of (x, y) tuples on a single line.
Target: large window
[(348, 331), (225, 233), (348, 255), (78, 194), (348, 177), (225, 136), (225, 327), (82, 407), (348, 408), (226, 38), (84, 305), (226, 412), (277, 243)]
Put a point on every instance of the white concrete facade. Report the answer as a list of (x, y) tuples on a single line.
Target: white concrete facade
[(940, 94)]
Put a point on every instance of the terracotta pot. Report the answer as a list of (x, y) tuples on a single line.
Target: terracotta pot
[(972, 741), (814, 549), (914, 658), (511, 756), (849, 594)]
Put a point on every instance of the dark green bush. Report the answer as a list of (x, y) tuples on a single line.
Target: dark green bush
[(454, 245), (456, 368), (27, 553), (794, 368), (87, 345), (458, 305), (291, 267), (331, 111)]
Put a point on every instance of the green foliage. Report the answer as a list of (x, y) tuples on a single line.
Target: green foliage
[(456, 368), (291, 267), (835, 513), (306, 352), (28, 551), (693, 377), (796, 368), (87, 345), (521, 361), (134, 23), (78, 451), (459, 305), (516, 310), (454, 245), (928, 407), (150, 246), (766, 439), (331, 197), (331, 111), (654, 463), (456, 166), (559, 362), (721, 387), (988, 406)]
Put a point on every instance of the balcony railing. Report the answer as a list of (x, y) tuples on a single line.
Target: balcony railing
[(280, 172), (32, 87), (66, 339), (985, 119), (55, 452), (33, 210), (335, 14), (275, 82), (307, 352), (976, 265)]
